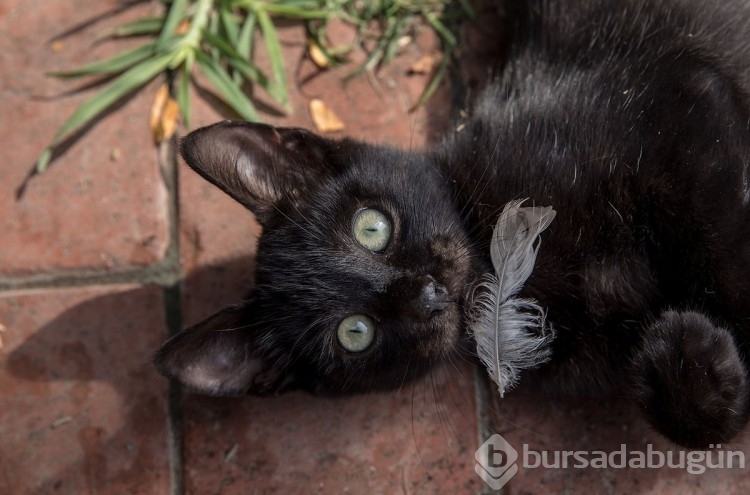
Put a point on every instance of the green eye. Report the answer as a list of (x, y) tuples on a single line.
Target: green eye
[(372, 229), (356, 332)]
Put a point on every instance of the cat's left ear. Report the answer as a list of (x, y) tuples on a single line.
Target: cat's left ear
[(220, 356), (258, 164)]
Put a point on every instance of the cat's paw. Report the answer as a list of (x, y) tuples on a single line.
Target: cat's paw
[(689, 378)]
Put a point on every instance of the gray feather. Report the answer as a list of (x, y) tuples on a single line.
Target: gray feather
[(510, 331)]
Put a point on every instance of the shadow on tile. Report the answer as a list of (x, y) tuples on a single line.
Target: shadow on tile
[(89, 413), (548, 427), (82, 411)]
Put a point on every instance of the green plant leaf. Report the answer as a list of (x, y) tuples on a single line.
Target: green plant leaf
[(440, 29), (43, 162), (141, 27), (214, 23), (229, 24), (220, 39), (175, 15), (434, 83), (389, 51), (256, 76), (242, 65), (290, 9), (376, 56), (112, 65), (228, 91), (125, 83), (303, 11), (467, 8), (183, 95), (274, 53), (245, 40), (222, 45)]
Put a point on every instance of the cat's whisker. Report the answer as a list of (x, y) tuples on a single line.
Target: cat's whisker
[(473, 195), (448, 433), (312, 343), (457, 398), (495, 414), (317, 235), (304, 229), (418, 440), (404, 379)]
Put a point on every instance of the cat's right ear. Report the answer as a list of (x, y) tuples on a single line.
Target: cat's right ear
[(257, 164), (221, 356)]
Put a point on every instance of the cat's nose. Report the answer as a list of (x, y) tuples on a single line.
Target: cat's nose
[(432, 297)]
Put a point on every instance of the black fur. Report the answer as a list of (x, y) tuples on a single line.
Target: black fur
[(630, 118)]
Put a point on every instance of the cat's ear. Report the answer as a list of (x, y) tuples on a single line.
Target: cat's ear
[(257, 164), (218, 356)]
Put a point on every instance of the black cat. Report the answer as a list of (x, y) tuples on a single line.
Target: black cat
[(630, 118)]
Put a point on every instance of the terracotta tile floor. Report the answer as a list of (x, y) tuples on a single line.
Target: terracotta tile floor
[(97, 268)]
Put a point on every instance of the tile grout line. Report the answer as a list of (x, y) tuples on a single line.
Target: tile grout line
[(172, 306), (172, 296), (482, 393), (164, 272)]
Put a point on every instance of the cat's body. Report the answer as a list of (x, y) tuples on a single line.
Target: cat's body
[(630, 118), (632, 124)]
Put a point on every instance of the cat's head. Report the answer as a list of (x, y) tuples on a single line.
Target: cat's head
[(362, 268)]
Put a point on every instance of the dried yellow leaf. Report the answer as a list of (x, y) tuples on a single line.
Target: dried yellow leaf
[(182, 27), (426, 64), (162, 94), (164, 114), (317, 55), (324, 118)]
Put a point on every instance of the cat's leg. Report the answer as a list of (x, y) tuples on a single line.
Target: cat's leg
[(690, 380)]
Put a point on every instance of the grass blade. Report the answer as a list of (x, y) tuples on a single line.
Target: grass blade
[(440, 29), (43, 162), (392, 47), (303, 12), (376, 56), (229, 92), (256, 76), (274, 53), (126, 82), (112, 65), (141, 27), (214, 23), (183, 95), (241, 65), (467, 8), (244, 43), (434, 84), (229, 24), (222, 45), (174, 16)]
